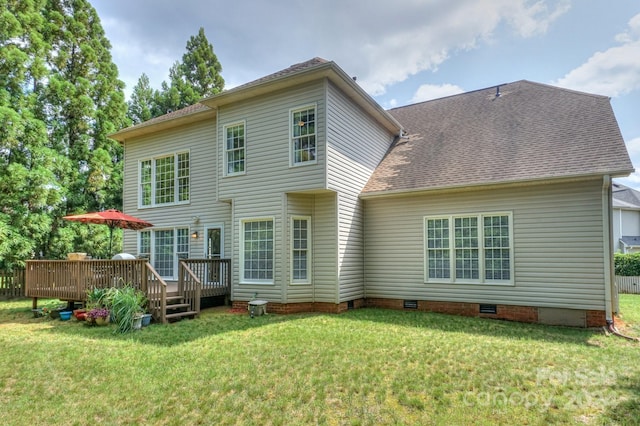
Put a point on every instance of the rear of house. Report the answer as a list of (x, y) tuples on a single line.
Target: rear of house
[(495, 202), (498, 203), (269, 175)]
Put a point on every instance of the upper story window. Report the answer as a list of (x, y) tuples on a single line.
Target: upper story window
[(164, 180), (303, 135), (234, 149), (469, 249)]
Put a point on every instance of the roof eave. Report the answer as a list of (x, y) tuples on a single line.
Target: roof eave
[(156, 126), (327, 70), (489, 185)]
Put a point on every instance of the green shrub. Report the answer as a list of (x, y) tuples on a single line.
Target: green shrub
[(627, 265)]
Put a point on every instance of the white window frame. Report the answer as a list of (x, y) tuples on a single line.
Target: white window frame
[(307, 250), (482, 250), (177, 255), (179, 181), (227, 151), (292, 138), (243, 278)]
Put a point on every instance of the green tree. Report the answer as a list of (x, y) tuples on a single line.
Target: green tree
[(196, 77), (141, 102), (84, 102), (59, 98), (29, 167)]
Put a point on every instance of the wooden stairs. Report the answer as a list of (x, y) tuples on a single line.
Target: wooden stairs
[(177, 308)]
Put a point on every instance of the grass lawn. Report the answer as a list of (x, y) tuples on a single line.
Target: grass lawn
[(367, 366)]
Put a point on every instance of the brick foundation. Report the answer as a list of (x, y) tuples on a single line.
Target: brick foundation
[(294, 308), (596, 319), (528, 314)]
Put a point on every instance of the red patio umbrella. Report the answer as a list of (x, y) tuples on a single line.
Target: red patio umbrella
[(112, 218)]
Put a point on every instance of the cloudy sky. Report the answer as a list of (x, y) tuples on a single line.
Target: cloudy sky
[(402, 51)]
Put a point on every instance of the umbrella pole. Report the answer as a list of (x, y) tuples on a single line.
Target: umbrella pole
[(110, 241)]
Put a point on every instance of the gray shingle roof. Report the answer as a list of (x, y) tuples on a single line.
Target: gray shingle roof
[(630, 241), (531, 131), (625, 197)]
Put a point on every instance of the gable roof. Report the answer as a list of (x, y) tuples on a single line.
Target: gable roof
[(303, 72), (625, 197), (515, 132)]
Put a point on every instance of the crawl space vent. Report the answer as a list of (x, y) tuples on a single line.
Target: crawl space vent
[(411, 304), (488, 309)]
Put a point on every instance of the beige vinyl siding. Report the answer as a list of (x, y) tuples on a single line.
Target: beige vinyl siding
[(325, 248), (356, 144), (558, 245), (263, 208), (298, 205), (262, 191), (200, 140), (267, 131)]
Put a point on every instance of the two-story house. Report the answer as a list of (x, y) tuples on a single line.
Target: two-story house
[(494, 203)]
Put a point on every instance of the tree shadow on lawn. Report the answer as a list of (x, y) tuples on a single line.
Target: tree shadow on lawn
[(212, 322), (479, 326), (220, 320)]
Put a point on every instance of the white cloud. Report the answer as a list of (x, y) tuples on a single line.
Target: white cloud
[(614, 72), (382, 43), (393, 53), (427, 92)]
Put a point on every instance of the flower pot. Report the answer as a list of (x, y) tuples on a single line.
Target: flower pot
[(65, 315), (146, 320), (37, 313), (102, 320), (137, 322)]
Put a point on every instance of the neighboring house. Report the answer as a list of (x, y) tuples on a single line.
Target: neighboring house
[(626, 219), (495, 202)]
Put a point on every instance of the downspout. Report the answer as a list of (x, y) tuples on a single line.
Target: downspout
[(608, 269)]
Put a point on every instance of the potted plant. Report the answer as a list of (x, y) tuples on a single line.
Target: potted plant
[(99, 316), (128, 304), (97, 298)]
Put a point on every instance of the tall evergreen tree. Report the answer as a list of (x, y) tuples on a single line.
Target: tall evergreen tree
[(29, 167), (200, 66), (59, 98), (141, 103), (85, 101), (196, 77)]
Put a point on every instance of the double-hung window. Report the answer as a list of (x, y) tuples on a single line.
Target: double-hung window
[(234, 149), (300, 250), (303, 136), (257, 251), (469, 248), (164, 180)]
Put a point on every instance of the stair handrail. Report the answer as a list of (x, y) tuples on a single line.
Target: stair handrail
[(189, 287), (156, 294)]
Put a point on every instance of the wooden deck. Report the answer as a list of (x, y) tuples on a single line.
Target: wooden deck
[(70, 280)]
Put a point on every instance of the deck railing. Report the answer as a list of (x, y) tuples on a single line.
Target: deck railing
[(70, 279), (12, 283), (214, 274)]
